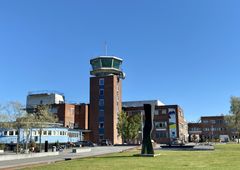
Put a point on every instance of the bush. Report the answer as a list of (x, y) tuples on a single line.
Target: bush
[(2, 146)]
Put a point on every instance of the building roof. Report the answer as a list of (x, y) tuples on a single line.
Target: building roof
[(141, 103)]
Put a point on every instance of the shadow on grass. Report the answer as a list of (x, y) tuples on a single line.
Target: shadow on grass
[(117, 156)]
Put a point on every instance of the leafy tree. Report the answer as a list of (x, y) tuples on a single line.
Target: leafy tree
[(122, 125), (134, 125), (128, 126), (233, 119)]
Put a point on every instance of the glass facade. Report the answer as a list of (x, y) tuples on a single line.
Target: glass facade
[(116, 64), (106, 62), (96, 64)]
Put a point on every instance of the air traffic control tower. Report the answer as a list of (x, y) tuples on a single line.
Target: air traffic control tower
[(105, 98)]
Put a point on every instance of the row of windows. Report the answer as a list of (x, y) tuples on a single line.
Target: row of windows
[(49, 133), (214, 129), (10, 133), (164, 111), (213, 121), (161, 134), (194, 129), (160, 125), (44, 133)]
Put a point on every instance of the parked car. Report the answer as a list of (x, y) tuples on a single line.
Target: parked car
[(85, 143), (106, 142)]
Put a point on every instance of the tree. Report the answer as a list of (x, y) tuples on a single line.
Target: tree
[(128, 126), (42, 116), (122, 125), (134, 125), (233, 119), (13, 115)]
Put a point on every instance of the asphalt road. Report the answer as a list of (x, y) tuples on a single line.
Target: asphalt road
[(66, 154)]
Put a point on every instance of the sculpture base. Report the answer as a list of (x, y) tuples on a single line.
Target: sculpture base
[(146, 155)]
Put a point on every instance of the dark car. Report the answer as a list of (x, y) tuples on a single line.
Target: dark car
[(106, 142), (85, 143)]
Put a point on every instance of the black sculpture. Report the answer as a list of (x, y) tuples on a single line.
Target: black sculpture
[(147, 148)]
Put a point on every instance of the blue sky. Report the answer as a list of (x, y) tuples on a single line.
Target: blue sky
[(180, 52)]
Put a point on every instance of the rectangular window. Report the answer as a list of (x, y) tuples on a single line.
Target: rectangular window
[(205, 121), (5, 133), (101, 92), (34, 133), (101, 137), (164, 111), (10, 133), (160, 125), (49, 132), (101, 81), (101, 113), (101, 102), (44, 132), (101, 125), (16, 132), (161, 134)]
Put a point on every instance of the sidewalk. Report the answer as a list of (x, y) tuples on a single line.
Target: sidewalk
[(65, 155)]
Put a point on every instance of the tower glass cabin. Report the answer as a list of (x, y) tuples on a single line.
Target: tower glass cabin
[(106, 65), (105, 98)]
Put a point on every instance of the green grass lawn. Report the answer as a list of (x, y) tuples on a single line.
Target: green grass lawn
[(223, 157)]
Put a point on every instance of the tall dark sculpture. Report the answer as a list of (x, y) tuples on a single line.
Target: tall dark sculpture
[(147, 148)]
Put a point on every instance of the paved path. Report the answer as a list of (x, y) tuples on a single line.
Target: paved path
[(16, 164)]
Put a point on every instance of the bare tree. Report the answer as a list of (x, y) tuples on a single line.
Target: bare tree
[(42, 117), (11, 116)]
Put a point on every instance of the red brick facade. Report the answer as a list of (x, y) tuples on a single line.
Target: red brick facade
[(105, 126)]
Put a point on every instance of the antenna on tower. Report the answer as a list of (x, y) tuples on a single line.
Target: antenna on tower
[(105, 45)]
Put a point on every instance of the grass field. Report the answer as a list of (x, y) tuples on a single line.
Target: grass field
[(223, 157)]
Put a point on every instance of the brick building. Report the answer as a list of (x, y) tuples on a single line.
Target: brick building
[(169, 124), (74, 116), (105, 98), (210, 128)]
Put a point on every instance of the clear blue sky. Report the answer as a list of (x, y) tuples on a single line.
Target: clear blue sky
[(180, 52)]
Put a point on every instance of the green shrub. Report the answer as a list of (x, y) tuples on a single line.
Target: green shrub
[(2, 146)]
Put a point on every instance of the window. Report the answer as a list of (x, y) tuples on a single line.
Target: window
[(205, 121), (49, 132), (161, 134), (101, 102), (206, 129), (101, 137), (101, 125), (61, 133), (156, 112), (34, 133), (16, 132), (44, 132), (54, 132), (213, 121), (160, 125), (11, 133), (5, 133), (101, 113), (106, 62), (164, 111), (101, 92), (116, 63), (101, 81)]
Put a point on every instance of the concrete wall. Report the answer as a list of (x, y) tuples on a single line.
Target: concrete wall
[(25, 156)]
